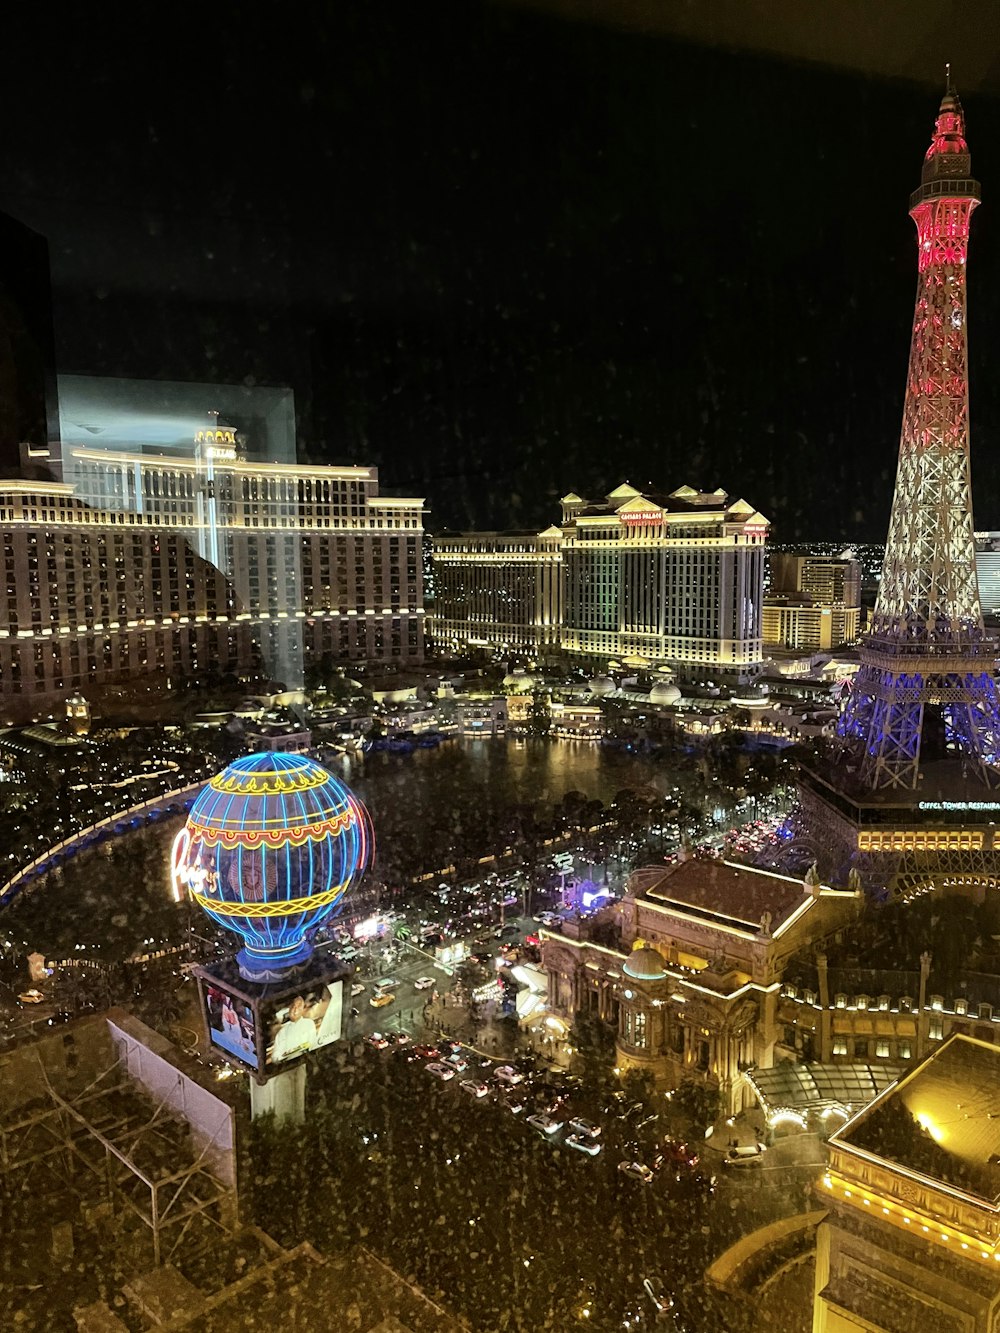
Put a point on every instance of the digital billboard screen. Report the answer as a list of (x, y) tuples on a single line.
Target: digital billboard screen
[(231, 1025), (302, 1021)]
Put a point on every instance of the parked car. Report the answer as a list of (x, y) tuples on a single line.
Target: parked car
[(441, 1071), (508, 1075), (357, 989), (681, 1153), (742, 1153), (588, 1128), (545, 1123), (583, 1143), (636, 1171), (474, 1088), (423, 983)]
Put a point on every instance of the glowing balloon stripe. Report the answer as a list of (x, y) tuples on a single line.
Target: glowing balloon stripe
[(277, 837), (267, 784), (221, 907)]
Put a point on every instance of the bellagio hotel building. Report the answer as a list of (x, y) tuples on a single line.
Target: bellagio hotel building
[(142, 565)]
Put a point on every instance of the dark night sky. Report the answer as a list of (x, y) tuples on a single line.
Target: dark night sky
[(502, 254)]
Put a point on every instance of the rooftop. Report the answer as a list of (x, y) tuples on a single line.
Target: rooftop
[(941, 1121), (735, 895)]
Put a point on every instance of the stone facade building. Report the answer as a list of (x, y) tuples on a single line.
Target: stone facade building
[(692, 977)]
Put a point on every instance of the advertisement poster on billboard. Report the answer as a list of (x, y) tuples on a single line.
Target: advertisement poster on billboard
[(298, 1023), (231, 1025)]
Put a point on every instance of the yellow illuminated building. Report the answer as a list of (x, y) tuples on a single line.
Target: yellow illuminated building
[(640, 578), (912, 1237), (814, 602), (137, 565), (497, 590)]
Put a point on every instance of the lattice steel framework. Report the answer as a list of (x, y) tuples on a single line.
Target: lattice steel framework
[(925, 689)]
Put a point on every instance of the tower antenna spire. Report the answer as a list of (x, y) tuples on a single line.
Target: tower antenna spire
[(947, 78)]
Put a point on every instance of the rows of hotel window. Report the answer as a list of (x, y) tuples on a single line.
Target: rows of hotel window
[(664, 592), (592, 591), (71, 577), (45, 665), (298, 501), (382, 570), (57, 664), (109, 576), (355, 639), (488, 593), (162, 482), (114, 590)]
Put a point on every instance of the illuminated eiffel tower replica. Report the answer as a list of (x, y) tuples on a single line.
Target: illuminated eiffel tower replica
[(912, 802)]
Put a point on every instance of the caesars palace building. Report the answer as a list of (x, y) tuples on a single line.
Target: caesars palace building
[(674, 580), (143, 564)]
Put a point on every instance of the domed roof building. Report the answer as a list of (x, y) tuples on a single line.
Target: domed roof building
[(664, 692), (601, 686), (271, 846), (645, 964)]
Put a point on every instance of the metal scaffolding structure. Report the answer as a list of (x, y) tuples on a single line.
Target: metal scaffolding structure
[(139, 1152), (925, 689)]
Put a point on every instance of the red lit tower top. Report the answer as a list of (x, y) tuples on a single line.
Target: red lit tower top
[(948, 156), (925, 690)]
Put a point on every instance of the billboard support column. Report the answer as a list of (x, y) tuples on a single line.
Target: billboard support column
[(283, 1095)]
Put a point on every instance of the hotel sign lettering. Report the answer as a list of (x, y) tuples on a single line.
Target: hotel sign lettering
[(642, 516)]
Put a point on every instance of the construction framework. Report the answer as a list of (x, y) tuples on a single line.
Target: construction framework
[(131, 1146)]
